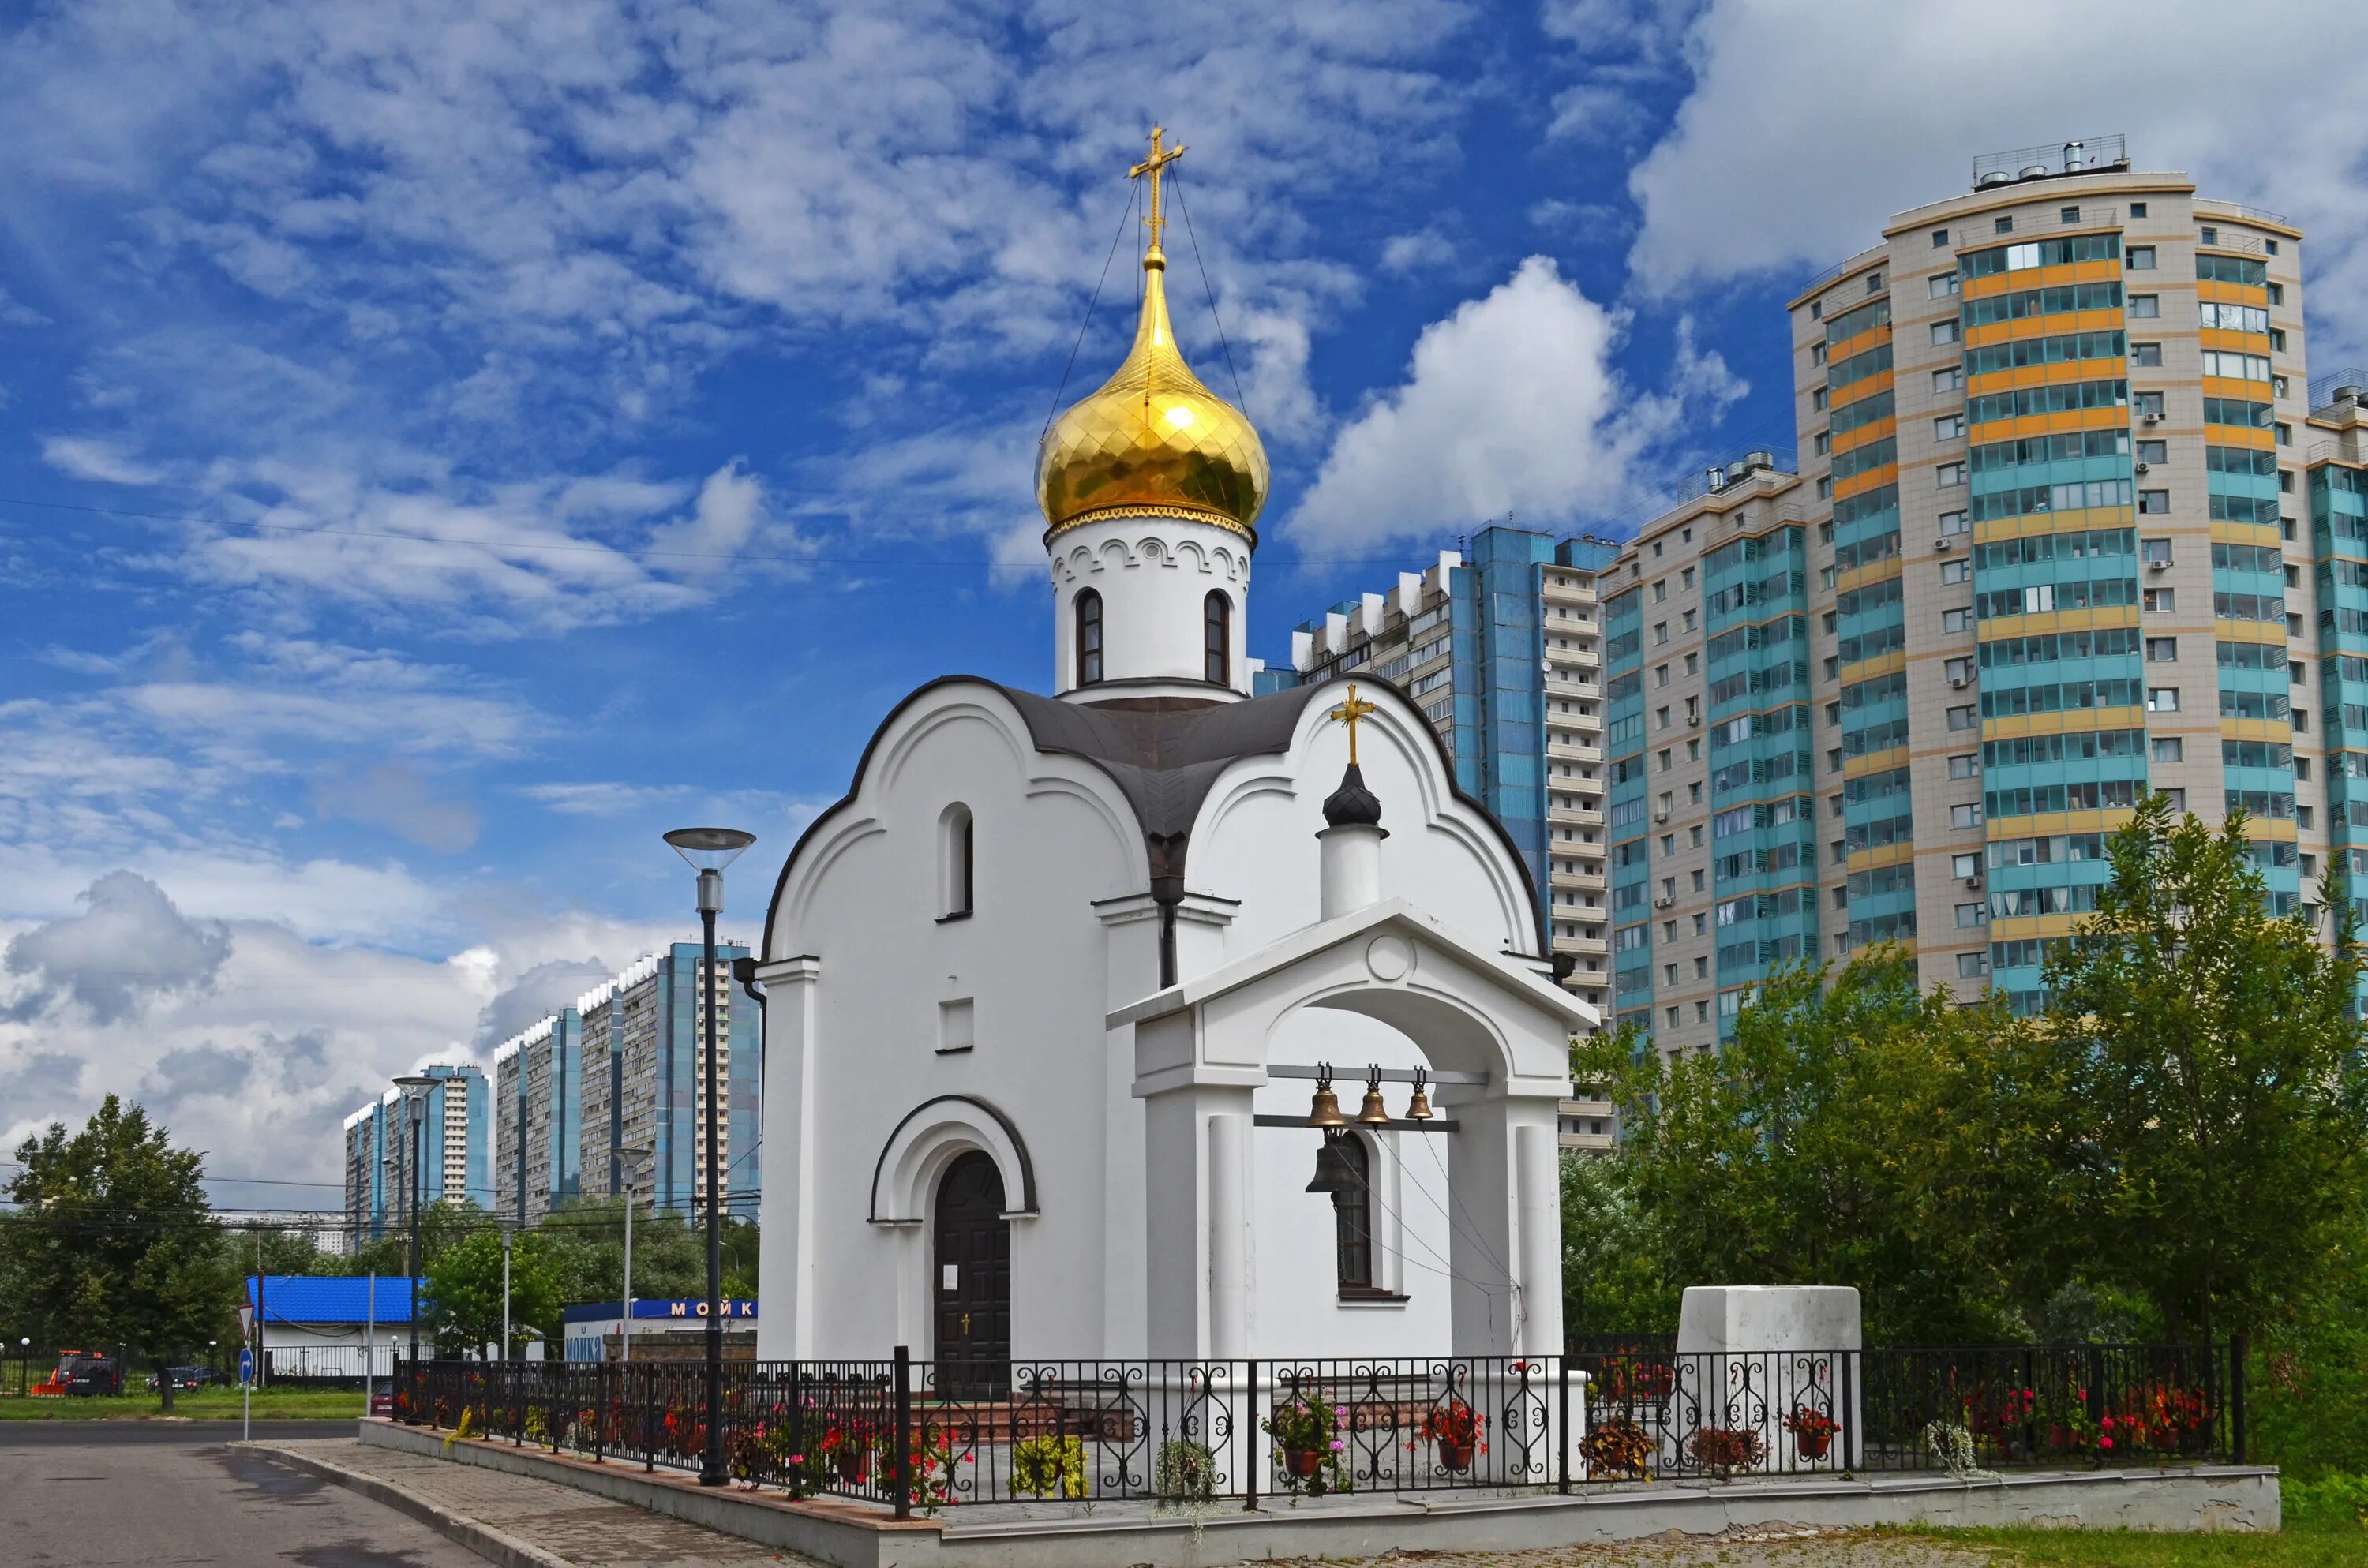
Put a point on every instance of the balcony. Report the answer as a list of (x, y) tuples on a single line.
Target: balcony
[(1575, 816), (1574, 751), (1594, 946), (1586, 658), (1558, 686), (1580, 880)]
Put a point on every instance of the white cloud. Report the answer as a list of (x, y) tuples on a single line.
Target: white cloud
[(129, 944), (396, 795), (1770, 165), (1511, 408), (1419, 251), (90, 459)]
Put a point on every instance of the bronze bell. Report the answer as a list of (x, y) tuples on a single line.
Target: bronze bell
[(1324, 1111), (1418, 1108), (1374, 1113), (1333, 1173)]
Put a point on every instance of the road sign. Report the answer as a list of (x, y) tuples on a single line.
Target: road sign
[(246, 1365)]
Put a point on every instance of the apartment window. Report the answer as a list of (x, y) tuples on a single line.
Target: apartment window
[(2162, 650), (1965, 765), (1660, 632), (1688, 618), (1966, 866), (2153, 552), (2211, 236), (1959, 670), (2068, 215), (1824, 442), (1661, 721), (1661, 590), (2277, 340), (2162, 601), (2284, 433), (1941, 286), (1973, 966), (2138, 259), (2162, 699), (1819, 398), (1953, 523), (2277, 293), (1940, 239), (1950, 379), (1949, 475), (2302, 818), (1686, 577), (2154, 451), (1969, 815), (1833, 666), (2165, 748), (2144, 307), (2295, 673), (2146, 355), (1702, 968), (1944, 333), (2137, 208), (1949, 427), (1874, 282), (2178, 799), (1660, 674), (1816, 310), (1972, 915), (1834, 760), (2270, 247), (1693, 663), (1956, 571), (1698, 882), (1817, 353), (1963, 718), (2154, 502), (1826, 531), (2147, 404), (1826, 488), (2278, 387), (1956, 620), (2002, 226), (2285, 482)]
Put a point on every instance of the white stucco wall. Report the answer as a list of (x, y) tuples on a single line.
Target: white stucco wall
[(1153, 575)]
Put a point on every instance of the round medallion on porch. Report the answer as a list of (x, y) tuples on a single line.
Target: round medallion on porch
[(1390, 957)]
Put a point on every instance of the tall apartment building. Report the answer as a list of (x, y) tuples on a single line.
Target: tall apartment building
[(2045, 551), (1502, 651), (642, 1081), (2335, 481), (455, 1156), (537, 1135)]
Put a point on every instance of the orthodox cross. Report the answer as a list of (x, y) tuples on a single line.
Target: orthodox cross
[(1349, 713), (1160, 158)]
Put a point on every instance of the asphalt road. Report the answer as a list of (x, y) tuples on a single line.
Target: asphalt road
[(150, 1494)]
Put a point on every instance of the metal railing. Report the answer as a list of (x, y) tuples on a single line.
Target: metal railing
[(906, 1435), (2087, 155)]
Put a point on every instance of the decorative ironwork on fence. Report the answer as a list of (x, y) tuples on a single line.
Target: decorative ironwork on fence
[(1204, 1434)]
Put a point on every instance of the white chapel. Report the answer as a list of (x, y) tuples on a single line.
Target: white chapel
[(1050, 991)]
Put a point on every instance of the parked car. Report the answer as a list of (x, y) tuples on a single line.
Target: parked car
[(184, 1378), (82, 1374)]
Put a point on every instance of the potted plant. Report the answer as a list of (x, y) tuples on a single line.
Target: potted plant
[(1455, 1429), (1041, 1466), (1813, 1432), (848, 1445), (1618, 1447), (1186, 1471), (1723, 1450), (1306, 1432)]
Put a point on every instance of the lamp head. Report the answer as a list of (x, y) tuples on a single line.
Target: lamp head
[(710, 849)]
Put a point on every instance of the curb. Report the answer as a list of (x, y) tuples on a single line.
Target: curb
[(482, 1539)]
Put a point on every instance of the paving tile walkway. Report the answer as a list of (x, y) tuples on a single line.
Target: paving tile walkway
[(574, 1527), (1752, 1546)]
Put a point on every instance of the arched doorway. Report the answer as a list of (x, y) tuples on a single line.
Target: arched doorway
[(972, 1280)]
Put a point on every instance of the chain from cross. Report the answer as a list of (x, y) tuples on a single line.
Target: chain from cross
[(1347, 713), (1160, 158)]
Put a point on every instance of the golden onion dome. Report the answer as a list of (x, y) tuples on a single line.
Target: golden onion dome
[(1152, 441)]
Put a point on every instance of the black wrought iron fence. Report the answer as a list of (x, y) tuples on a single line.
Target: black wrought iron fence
[(1201, 1434)]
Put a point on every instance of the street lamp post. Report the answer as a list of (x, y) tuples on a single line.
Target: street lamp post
[(630, 1158), (709, 850), (414, 1088), (24, 1366)]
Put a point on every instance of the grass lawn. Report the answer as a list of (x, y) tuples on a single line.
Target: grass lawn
[(2323, 1525), (202, 1405)]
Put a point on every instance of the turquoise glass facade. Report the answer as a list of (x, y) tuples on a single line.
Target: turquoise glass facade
[(1627, 828), (2339, 522)]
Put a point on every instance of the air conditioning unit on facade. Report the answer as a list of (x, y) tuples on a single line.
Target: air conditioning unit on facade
[(2153, 418), (1663, 902), (1945, 542), (1973, 884), (2145, 467), (2158, 565), (1961, 682), (1660, 816)]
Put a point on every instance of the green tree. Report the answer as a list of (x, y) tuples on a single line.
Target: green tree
[(465, 1297), (1855, 1131), (113, 1242), (2214, 1047), (1614, 1274)]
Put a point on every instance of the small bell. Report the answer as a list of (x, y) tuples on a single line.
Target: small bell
[(1418, 1108), (1374, 1113), (1324, 1111)]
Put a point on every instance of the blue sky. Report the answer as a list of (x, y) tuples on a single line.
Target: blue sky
[(443, 446)]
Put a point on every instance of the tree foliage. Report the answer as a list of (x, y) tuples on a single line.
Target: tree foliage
[(465, 1290), (113, 1242)]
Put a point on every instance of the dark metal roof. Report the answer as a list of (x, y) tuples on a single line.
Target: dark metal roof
[(1164, 753)]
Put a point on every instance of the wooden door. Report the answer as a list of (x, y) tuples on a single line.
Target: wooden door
[(972, 1278)]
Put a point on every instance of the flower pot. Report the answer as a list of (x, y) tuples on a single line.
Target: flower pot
[(1456, 1457), (854, 1466), (1304, 1464), (1812, 1445)]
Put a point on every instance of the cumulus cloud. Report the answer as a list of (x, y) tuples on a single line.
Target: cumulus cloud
[(1511, 408), (1769, 166), (128, 947), (536, 994)]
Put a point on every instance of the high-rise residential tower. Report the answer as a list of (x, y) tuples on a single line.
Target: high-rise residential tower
[(455, 1152), (2048, 549)]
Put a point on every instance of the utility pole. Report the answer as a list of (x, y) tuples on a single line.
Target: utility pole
[(505, 1293)]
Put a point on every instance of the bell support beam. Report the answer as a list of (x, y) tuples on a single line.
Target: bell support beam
[(1388, 1075), (1393, 1125)]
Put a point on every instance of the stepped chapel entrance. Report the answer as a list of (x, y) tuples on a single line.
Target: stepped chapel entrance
[(972, 1277)]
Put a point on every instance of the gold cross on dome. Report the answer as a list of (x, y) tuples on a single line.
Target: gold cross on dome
[(1349, 713), (1160, 158)]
